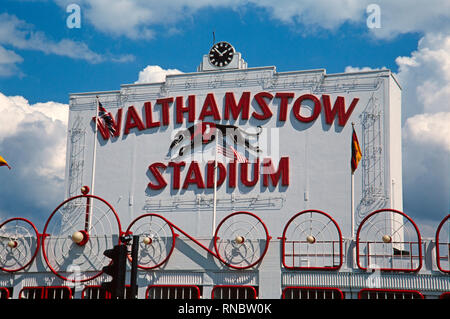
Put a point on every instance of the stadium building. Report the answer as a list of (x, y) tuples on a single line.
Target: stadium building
[(239, 183)]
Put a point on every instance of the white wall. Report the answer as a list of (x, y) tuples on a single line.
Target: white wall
[(319, 154)]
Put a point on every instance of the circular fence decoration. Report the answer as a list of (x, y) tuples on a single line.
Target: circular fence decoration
[(388, 240), (241, 240), (312, 240), (76, 235), (443, 245), (156, 240), (19, 243)]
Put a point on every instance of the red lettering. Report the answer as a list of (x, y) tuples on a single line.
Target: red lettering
[(298, 104), (165, 104), (269, 171), (270, 175), (242, 108), (267, 113), (339, 108), (176, 173), (161, 182), (244, 174), (180, 108), (232, 174), (149, 116), (210, 108), (233, 110), (133, 120), (222, 173), (284, 100), (193, 176)]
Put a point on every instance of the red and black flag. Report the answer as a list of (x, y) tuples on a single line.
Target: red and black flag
[(356, 152), (106, 117), (3, 162)]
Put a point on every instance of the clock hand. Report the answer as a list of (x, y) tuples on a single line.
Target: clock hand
[(215, 49)]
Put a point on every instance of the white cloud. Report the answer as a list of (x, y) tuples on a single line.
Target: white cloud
[(429, 129), (21, 35), (396, 17), (316, 13), (126, 18), (33, 140), (425, 79), (350, 69), (155, 74), (137, 19), (129, 18), (426, 178), (425, 76), (8, 61), (406, 16)]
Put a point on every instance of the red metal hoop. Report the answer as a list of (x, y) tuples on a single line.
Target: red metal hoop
[(389, 242), (231, 242), (311, 240), (158, 247), (247, 242), (90, 260), (444, 244), (21, 248)]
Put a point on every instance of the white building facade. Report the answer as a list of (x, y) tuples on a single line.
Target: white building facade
[(239, 183)]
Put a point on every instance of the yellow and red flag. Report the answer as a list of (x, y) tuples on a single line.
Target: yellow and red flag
[(356, 152), (3, 162)]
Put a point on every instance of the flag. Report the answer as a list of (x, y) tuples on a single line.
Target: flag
[(230, 152), (356, 152), (106, 117), (4, 163)]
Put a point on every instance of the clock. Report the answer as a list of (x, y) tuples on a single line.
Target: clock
[(221, 54)]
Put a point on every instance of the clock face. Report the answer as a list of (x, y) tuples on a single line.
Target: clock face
[(221, 54)]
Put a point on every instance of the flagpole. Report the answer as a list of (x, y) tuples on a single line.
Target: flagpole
[(352, 183), (215, 187), (94, 153), (94, 156), (353, 205)]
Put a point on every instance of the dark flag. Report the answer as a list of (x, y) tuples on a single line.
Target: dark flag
[(106, 117), (3, 162), (356, 152)]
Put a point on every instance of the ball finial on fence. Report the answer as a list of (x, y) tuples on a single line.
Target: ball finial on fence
[(84, 190), (386, 239), (310, 239), (239, 239)]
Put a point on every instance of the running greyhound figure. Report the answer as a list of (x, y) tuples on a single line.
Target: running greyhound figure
[(206, 133)]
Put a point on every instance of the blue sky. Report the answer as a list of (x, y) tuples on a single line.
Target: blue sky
[(42, 61), (262, 39)]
